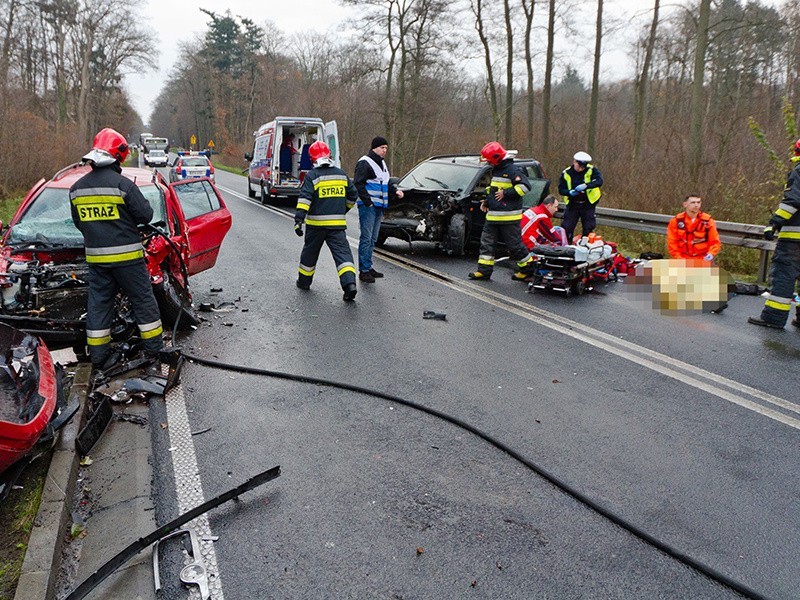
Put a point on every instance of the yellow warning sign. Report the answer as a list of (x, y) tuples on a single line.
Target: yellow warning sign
[(193, 140), (211, 143)]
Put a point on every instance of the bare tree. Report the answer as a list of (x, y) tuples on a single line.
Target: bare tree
[(509, 71), (528, 7), (548, 79), (640, 87), (480, 26), (696, 110), (598, 39)]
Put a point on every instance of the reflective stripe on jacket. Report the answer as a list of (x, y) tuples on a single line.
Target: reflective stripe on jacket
[(514, 182), (787, 216), (326, 196), (107, 209)]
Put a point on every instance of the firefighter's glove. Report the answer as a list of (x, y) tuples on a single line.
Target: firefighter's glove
[(769, 232), (580, 188), (574, 192), (708, 257), (298, 229)]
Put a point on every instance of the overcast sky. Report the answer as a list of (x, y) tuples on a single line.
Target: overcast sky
[(176, 21)]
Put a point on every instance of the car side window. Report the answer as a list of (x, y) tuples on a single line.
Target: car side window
[(197, 198), (539, 187)]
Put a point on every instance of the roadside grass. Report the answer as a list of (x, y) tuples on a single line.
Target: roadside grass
[(741, 263), (8, 206), (17, 515), (229, 169)]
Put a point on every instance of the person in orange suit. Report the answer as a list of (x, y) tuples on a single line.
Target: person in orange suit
[(693, 233)]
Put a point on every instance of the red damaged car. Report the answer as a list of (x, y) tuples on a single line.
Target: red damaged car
[(43, 287)]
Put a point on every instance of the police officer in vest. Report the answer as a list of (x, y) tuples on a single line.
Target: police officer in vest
[(326, 196), (580, 186), (503, 208), (785, 268), (107, 209), (374, 190)]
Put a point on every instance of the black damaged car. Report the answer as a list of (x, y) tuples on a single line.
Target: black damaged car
[(442, 197)]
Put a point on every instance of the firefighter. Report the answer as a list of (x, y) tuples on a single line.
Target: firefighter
[(107, 208), (503, 208), (693, 233), (326, 196), (785, 268), (580, 186)]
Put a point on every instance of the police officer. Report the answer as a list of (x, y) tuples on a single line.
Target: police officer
[(326, 196), (785, 268), (503, 208), (107, 208), (580, 185)]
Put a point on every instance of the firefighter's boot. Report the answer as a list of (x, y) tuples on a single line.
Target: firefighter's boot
[(479, 276), (349, 292), (520, 276)]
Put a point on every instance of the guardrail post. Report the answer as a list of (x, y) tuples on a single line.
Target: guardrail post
[(763, 266)]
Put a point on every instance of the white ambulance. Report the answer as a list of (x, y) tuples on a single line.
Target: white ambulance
[(280, 160)]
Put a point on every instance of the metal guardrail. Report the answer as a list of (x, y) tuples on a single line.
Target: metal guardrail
[(745, 235)]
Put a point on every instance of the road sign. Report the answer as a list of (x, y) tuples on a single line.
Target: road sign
[(211, 143), (193, 140)]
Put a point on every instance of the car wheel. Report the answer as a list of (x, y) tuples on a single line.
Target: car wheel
[(381, 241), (456, 243), (251, 193), (169, 296)]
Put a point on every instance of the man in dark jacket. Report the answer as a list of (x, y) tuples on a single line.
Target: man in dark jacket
[(374, 190), (107, 209), (326, 196), (785, 268), (503, 208), (580, 186)]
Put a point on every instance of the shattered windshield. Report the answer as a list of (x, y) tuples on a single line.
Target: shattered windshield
[(48, 220), (438, 176)]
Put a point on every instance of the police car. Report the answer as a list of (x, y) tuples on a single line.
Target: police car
[(191, 166)]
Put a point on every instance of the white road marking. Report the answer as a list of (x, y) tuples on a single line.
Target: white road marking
[(717, 385), (188, 487)]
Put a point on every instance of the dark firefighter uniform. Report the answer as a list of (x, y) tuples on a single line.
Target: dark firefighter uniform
[(582, 205), (785, 268), (106, 208), (326, 196), (502, 220)]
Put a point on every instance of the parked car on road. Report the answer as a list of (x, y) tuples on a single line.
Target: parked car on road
[(43, 286), (191, 167), (442, 197), (156, 158)]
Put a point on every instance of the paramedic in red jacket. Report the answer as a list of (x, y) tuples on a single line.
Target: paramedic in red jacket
[(693, 233), (537, 225)]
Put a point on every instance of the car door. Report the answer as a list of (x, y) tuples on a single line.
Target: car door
[(332, 139), (205, 218), (540, 186)]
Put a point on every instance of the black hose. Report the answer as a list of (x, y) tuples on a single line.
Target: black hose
[(560, 484)]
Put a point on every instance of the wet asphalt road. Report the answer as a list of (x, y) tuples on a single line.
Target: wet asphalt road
[(378, 500)]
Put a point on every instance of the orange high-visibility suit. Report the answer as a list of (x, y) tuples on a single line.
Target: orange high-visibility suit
[(687, 238)]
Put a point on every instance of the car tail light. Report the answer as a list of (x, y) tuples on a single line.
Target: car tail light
[(178, 168)]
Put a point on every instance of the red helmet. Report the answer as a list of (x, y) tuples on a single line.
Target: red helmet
[(493, 153), (113, 142), (797, 148), (318, 150)]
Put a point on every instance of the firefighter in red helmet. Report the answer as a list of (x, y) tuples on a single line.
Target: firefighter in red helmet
[(503, 208), (785, 268), (107, 208), (326, 196)]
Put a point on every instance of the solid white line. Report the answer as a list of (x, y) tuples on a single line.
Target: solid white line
[(188, 487), (670, 367)]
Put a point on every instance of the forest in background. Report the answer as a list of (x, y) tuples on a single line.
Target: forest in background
[(714, 84)]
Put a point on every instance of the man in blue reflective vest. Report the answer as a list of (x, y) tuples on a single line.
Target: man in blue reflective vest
[(374, 190)]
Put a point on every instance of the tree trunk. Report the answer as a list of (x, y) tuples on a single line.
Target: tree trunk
[(696, 114), (477, 9), (548, 81), (641, 85), (509, 73), (598, 40), (529, 67)]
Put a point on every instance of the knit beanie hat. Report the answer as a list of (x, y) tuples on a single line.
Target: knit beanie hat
[(378, 141)]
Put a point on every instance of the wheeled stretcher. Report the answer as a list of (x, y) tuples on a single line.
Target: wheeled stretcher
[(572, 269)]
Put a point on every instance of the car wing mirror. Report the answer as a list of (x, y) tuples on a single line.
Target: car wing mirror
[(248, 156)]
